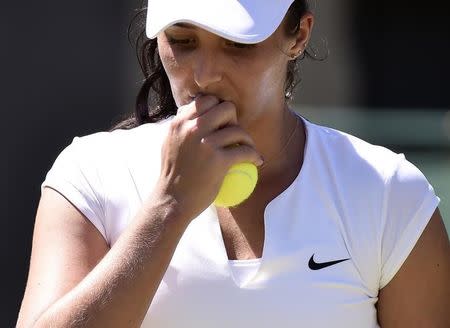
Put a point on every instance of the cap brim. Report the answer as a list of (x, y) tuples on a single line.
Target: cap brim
[(244, 21)]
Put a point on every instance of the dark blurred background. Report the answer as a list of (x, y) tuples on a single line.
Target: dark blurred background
[(68, 70)]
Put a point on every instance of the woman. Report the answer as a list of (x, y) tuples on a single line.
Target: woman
[(337, 233)]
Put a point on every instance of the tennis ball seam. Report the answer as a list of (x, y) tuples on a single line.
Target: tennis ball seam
[(228, 195), (240, 172)]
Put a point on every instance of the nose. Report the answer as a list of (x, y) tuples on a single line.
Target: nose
[(207, 68)]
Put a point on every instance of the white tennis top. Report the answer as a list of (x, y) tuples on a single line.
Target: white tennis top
[(352, 202), (243, 270)]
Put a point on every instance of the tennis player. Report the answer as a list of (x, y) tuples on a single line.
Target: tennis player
[(338, 232)]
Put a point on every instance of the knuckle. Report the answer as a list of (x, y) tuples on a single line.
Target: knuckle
[(210, 100), (230, 109), (243, 137), (192, 127), (228, 106), (175, 124), (196, 109), (201, 122)]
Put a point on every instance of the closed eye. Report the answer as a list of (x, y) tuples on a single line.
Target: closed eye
[(188, 41), (180, 41), (240, 45)]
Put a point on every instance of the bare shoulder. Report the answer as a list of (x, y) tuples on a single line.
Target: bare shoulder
[(66, 247), (419, 294)]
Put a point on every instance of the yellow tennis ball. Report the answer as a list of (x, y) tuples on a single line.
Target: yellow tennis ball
[(238, 185)]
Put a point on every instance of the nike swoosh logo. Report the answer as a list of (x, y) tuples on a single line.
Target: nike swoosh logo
[(313, 265)]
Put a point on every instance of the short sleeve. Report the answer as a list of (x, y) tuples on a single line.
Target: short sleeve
[(75, 175), (409, 203)]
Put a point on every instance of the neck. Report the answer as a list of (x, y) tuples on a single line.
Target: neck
[(278, 142)]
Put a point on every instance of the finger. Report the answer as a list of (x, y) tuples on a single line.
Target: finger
[(228, 136), (221, 115), (198, 107), (241, 154)]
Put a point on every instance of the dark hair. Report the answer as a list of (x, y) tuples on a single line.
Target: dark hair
[(155, 101)]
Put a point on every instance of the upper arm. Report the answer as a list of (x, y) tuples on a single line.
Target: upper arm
[(419, 293), (66, 247)]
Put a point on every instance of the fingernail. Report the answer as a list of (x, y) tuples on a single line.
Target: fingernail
[(261, 161)]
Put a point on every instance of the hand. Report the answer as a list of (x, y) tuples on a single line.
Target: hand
[(203, 142)]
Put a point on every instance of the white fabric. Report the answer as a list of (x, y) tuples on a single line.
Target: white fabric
[(244, 270), (350, 200), (244, 21)]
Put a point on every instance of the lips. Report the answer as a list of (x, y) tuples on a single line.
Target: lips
[(197, 95), (192, 98)]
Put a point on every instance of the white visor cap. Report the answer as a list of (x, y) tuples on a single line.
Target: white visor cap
[(243, 21)]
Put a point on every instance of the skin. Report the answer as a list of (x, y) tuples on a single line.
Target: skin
[(419, 293), (248, 77), (199, 62), (83, 284)]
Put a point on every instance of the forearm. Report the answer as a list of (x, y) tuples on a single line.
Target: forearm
[(119, 290)]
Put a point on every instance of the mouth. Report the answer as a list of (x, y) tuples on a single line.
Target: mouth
[(192, 98)]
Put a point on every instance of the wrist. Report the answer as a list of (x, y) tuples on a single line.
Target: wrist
[(167, 207)]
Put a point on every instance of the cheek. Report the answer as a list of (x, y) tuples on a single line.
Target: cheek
[(166, 56), (268, 80), (264, 87), (174, 73)]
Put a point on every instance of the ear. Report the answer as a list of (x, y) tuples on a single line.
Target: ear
[(302, 37)]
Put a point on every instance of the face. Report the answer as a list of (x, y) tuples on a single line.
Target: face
[(251, 76)]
